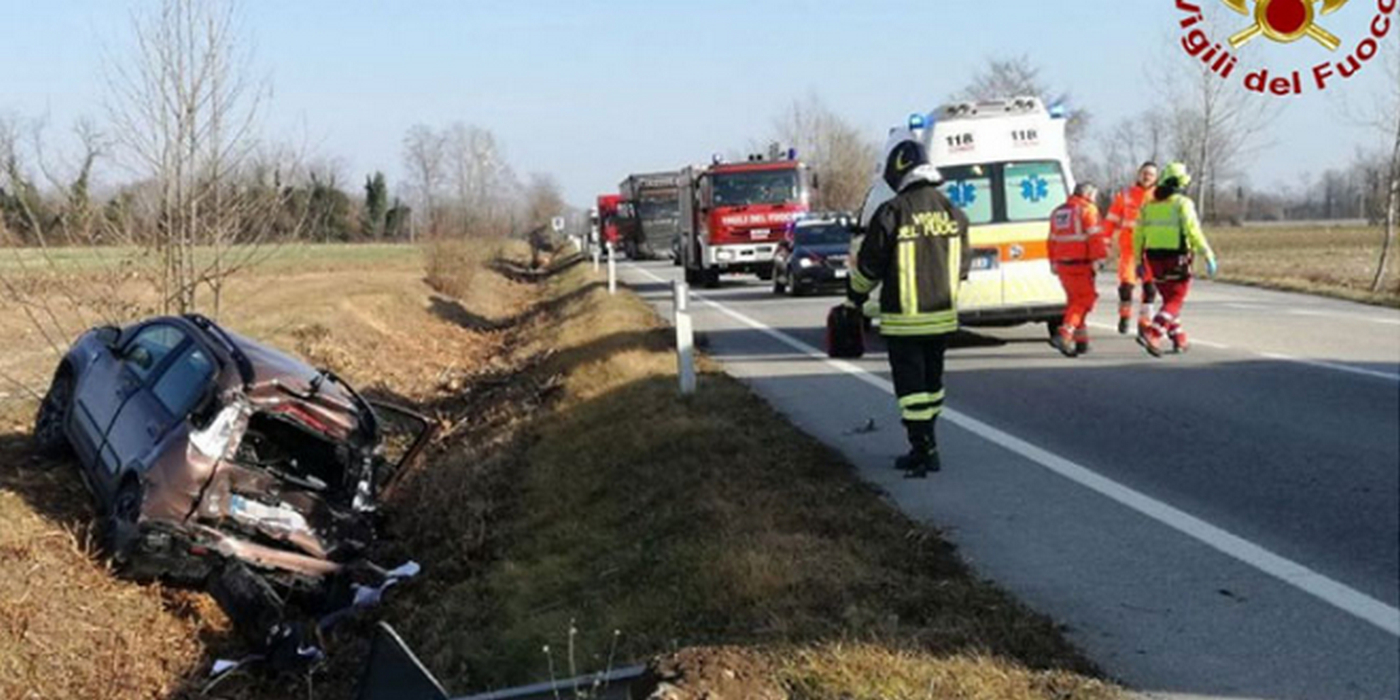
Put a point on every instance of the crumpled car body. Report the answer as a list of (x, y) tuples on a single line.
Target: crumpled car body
[(203, 449)]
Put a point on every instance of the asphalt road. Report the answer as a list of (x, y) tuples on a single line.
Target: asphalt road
[(1221, 524)]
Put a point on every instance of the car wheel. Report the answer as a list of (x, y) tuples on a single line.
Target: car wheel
[(49, 436), (119, 525), (711, 278), (794, 289)]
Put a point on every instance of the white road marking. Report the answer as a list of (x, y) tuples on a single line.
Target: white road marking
[(1286, 570), (1349, 317)]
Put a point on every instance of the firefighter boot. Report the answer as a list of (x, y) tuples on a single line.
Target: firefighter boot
[(1125, 324), (1063, 340), (923, 452)]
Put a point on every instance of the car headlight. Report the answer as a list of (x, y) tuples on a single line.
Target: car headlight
[(724, 255), (805, 263)]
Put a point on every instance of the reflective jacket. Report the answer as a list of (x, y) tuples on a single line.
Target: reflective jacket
[(1122, 218), (913, 249), (1169, 227), (1075, 233)]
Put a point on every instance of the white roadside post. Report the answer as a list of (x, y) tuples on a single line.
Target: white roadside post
[(612, 269), (685, 338)]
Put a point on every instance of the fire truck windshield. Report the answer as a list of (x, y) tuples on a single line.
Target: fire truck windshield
[(755, 187)]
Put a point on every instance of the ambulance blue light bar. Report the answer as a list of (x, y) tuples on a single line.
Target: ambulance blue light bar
[(1057, 111), (917, 121)]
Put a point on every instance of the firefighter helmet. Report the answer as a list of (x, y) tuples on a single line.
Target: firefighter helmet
[(1176, 171)]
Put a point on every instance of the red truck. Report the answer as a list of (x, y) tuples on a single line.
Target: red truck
[(608, 215), (733, 215)]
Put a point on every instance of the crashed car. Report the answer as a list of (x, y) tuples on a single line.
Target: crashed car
[(213, 457)]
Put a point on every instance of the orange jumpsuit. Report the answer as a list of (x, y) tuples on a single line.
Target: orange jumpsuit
[(1076, 242), (1121, 221)]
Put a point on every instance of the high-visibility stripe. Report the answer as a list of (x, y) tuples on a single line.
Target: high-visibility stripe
[(908, 279), (859, 282), (954, 268), (923, 415), (922, 398)]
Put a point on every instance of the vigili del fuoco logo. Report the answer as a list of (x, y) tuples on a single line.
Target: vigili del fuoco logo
[(1285, 22)]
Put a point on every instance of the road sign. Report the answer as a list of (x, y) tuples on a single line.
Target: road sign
[(558, 224)]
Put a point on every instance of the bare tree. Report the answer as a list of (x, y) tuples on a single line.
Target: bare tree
[(185, 115), (1017, 76), (1385, 119), (425, 156), (1216, 128), (837, 151)]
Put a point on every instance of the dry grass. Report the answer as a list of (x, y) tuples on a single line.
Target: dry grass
[(1335, 261), (68, 629), (708, 520)]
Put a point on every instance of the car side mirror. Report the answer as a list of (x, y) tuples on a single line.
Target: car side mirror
[(109, 336), (138, 355)]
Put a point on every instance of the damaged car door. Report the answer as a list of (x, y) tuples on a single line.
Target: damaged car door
[(107, 392)]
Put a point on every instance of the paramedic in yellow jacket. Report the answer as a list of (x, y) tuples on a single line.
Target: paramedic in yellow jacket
[(1167, 241)]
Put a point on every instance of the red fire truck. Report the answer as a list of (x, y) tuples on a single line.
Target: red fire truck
[(733, 215), (607, 221)]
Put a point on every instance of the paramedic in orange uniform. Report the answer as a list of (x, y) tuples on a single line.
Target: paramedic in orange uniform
[(1076, 243), (1118, 227)]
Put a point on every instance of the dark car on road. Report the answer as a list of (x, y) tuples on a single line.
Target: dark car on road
[(213, 457), (814, 256)]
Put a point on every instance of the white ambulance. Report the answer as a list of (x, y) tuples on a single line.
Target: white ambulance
[(1006, 165)]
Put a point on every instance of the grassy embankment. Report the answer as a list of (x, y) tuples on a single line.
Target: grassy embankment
[(630, 522), (1336, 261)]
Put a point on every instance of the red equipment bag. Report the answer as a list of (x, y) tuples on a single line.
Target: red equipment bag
[(845, 332)]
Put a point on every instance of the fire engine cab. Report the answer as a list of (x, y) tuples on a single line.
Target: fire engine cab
[(1006, 165)]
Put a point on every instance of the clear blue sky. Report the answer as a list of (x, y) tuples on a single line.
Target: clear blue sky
[(593, 90)]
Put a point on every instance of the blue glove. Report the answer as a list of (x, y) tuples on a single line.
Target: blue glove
[(1211, 267)]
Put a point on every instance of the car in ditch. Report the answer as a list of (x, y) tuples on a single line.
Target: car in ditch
[(215, 458)]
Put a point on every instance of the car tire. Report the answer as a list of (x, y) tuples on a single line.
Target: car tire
[(49, 436), (120, 531), (794, 289), (711, 278)]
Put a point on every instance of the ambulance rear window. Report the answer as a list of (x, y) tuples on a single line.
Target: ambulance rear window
[(1033, 190), (970, 188)]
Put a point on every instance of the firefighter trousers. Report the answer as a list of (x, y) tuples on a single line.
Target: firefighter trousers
[(1080, 294), (1173, 282), (916, 363)]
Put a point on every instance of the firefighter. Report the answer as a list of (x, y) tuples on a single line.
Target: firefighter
[(1167, 241), (1118, 228), (1076, 245), (913, 249)]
